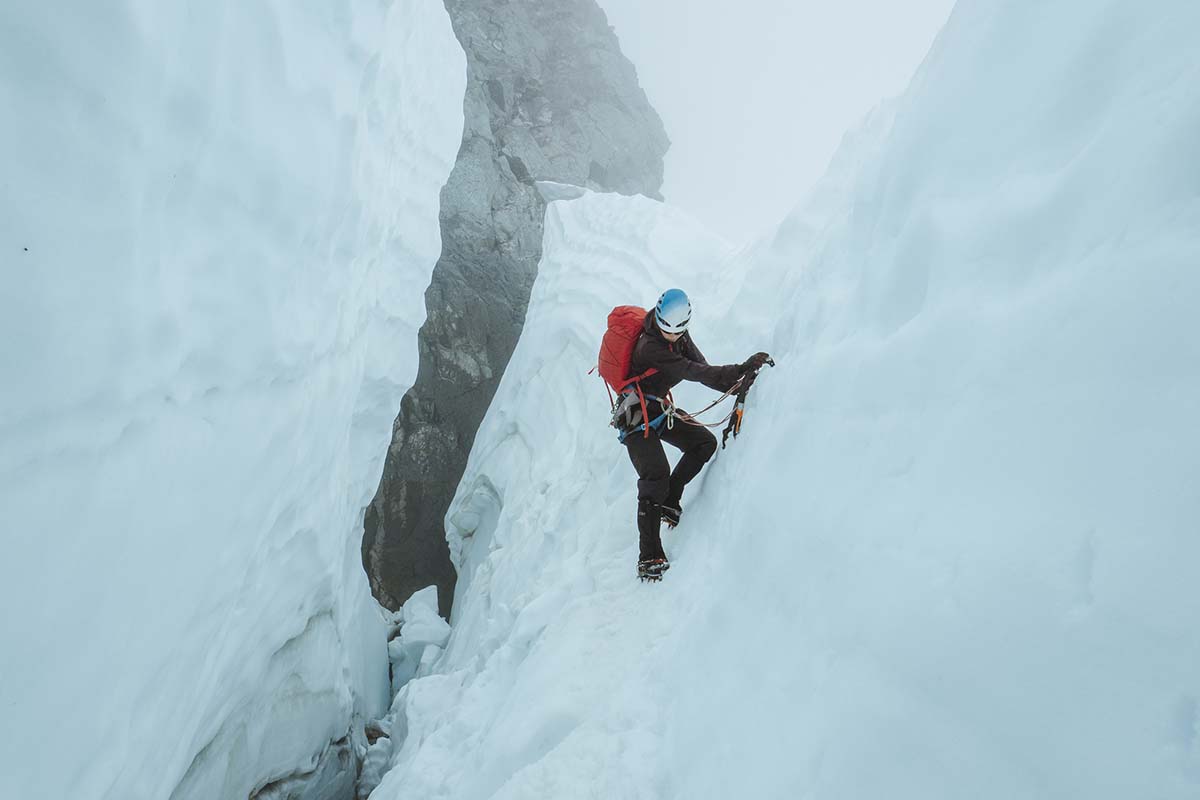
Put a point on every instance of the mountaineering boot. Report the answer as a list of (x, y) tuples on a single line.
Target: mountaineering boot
[(652, 561), (652, 569), (671, 513), (649, 542)]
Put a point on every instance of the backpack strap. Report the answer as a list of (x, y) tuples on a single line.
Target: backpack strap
[(636, 380), (645, 414)]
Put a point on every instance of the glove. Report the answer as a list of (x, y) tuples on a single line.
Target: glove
[(755, 362)]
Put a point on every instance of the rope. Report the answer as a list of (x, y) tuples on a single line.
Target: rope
[(671, 413), (691, 419)]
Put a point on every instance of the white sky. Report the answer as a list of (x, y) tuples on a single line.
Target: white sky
[(756, 94)]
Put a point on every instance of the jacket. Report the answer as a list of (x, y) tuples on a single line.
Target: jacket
[(676, 361)]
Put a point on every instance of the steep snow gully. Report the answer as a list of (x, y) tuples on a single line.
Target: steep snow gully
[(953, 553)]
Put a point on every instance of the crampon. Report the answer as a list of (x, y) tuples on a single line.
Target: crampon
[(652, 569)]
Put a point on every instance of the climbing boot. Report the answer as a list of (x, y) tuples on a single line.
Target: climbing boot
[(652, 569)]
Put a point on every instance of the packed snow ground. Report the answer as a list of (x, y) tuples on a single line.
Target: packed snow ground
[(953, 553), (217, 223)]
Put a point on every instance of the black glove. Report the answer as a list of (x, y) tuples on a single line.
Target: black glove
[(755, 362)]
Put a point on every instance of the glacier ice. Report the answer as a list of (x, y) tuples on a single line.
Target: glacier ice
[(217, 224), (952, 553)]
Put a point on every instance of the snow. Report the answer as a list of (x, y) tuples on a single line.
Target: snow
[(217, 225), (422, 635), (952, 553)]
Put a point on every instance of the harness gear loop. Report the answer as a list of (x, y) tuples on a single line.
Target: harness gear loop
[(668, 404)]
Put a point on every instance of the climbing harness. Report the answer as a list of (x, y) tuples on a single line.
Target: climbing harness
[(627, 402)]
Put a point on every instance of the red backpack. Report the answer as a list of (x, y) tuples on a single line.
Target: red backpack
[(616, 351)]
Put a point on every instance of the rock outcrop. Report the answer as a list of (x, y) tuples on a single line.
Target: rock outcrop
[(549, 97)]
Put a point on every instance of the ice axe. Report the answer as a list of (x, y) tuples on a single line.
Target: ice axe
[(739, 406)]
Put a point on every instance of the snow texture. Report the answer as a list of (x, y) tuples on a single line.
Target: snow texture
[(953, 552), (217, 223), (420, 630)]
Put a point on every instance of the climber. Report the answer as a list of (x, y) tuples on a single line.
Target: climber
[(664, 354)]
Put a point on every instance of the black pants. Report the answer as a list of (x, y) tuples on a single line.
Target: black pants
[(657, 483)]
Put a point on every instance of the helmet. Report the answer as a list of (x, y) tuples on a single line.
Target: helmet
[(673, 312)]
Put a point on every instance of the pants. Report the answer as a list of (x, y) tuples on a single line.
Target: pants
[(657, 483)]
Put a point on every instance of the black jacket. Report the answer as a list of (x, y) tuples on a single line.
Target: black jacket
[(676, 361)]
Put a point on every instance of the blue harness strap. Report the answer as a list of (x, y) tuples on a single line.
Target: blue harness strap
[(654, 424)]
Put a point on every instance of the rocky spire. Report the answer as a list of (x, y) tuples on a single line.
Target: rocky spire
[(549, 97)]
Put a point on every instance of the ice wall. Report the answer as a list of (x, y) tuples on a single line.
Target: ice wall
[(952, 554), (216, 225)]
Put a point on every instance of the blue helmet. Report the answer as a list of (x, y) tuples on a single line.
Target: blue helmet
[(673, 312)]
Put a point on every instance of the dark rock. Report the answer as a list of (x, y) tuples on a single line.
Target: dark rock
[(374, 731), (549, 97), (519, 171)]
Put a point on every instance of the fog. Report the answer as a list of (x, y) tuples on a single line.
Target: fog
[(756, 95)]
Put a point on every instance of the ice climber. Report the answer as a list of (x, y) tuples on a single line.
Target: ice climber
[(663, 354)]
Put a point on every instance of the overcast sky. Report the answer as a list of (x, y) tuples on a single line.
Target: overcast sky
[(756, 94)]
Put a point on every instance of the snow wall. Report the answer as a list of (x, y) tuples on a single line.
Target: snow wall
[(217, 223), (953, 553)]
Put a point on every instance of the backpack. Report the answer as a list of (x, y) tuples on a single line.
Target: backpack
[(616, 352)]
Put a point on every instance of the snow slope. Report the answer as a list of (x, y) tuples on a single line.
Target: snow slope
[(217, 223), (953, 553)]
